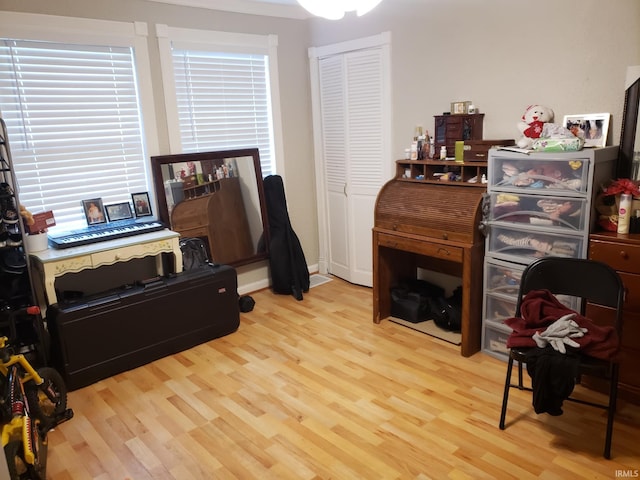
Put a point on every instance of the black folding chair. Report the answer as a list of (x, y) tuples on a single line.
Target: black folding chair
[(596, 283)]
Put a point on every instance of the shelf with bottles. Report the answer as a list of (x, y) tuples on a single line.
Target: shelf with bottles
[(472, 174), (205, 188)]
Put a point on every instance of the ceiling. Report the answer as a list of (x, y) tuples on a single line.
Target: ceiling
[(272, 8), (284, 2)]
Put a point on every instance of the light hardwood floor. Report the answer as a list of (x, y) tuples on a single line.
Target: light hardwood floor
[(313, 389)]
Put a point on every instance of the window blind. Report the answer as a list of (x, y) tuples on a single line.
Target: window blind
[(74, 124), (224, 102)]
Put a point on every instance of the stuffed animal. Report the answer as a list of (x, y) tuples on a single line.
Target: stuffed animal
[(532, 124), (27, 216)]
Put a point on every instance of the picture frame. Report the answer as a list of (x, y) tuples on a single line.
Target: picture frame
[(118, 211), (94, 211), (460, 108), (593, 127), (141, 204)]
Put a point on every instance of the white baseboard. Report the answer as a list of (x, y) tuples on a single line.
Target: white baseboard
[(263, 283)]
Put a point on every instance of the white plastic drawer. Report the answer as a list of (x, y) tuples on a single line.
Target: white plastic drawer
[(569, 174), (498, 308), (524, 246), (495, 339), (502, 284), (553, 212), (503, 278)]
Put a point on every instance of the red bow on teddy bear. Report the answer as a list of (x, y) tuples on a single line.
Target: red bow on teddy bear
[(534, 130)]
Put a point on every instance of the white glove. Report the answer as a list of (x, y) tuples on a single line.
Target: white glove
[(560, 333)]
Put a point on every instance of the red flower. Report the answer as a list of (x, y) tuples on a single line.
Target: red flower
[(623, 185)]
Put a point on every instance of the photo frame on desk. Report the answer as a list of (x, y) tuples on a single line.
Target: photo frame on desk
[(460, 108), (593, 127), (118, 211), (94, 211), (141, 204)]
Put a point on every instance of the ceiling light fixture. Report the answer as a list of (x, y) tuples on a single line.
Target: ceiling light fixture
[(335, 9)]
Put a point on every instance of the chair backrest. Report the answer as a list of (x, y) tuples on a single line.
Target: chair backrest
[(593, 281)]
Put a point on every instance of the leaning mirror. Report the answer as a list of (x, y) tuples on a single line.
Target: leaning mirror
[(629, 158), (216, 196)]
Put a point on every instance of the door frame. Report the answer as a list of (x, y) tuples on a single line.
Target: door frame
[(382, 40)]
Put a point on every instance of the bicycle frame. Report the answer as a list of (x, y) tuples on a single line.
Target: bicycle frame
[(33, 402), (30, 372), (21, 426)]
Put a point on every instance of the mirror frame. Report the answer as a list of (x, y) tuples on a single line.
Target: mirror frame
[(629, 122), (161, 198)]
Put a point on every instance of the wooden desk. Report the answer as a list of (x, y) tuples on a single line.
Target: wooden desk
[(434, 227), (53, 263)]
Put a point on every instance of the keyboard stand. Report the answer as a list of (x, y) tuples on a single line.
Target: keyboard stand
[(53, 263)]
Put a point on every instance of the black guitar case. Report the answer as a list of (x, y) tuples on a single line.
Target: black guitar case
[(289, 271)]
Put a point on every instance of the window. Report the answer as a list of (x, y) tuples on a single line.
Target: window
[(219, 91), (74, 116)]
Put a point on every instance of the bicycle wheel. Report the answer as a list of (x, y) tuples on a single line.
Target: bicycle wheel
[(18, 468), (49, 399)]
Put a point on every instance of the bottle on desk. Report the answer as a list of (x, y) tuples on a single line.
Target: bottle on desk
[(624, 213)]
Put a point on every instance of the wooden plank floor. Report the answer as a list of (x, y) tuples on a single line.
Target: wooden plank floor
[(315, 390)]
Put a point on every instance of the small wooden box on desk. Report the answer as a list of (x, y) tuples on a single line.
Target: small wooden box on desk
[(621, 252), (434, 226), (450, 128)]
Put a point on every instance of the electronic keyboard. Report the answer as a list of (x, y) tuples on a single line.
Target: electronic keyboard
[(101, 233)]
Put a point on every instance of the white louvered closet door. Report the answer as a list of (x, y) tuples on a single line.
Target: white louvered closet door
[(354, 116)]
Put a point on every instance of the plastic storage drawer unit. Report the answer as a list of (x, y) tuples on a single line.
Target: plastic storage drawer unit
[(554, 173), (551, 212), (526, 245), (494, 340)]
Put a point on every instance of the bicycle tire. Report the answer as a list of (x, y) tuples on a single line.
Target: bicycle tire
[(42, 407), (17, 466)]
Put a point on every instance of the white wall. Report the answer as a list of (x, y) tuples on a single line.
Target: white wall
[(503, 55)]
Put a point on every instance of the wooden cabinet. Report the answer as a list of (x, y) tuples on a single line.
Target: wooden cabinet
[(449, 128), (442, 172), (622, 252)]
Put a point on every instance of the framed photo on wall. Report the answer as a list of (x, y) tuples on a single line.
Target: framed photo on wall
[(593, 127), (141, 204), (94, 211)]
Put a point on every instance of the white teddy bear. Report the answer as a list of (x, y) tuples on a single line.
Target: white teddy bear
[(532, 123), (537, 127)]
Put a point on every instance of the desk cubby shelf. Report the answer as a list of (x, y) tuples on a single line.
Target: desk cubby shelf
[(434, 171)]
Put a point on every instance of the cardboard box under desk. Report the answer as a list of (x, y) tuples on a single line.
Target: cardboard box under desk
[(478, 150)]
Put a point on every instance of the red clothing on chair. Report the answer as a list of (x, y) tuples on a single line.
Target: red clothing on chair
[(540, 308)]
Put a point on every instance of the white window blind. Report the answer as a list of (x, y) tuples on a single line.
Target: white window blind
[(224, 102), (74, 124)]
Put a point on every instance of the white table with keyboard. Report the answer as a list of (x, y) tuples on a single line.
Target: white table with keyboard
[(53, 263)]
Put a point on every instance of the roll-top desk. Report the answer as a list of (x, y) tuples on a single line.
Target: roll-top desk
[(434, 227), (208, 206)]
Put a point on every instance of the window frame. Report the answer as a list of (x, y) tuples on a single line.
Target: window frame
[(210, 40), (83, 31)]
